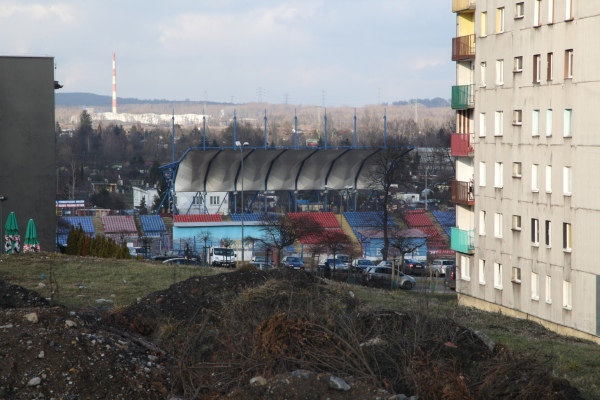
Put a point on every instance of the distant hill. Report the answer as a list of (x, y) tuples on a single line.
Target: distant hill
[(437, 102), (95, 100)]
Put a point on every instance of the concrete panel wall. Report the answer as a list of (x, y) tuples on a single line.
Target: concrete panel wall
[(27, 144), (551, 151)]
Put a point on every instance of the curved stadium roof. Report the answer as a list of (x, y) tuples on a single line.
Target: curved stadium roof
[(219, 170)]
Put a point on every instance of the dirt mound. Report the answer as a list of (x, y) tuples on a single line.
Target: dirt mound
[(251, 334), (189, 301), (12, 296)]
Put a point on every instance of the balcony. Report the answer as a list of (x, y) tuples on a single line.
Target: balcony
[(460, 145), (463, 97), (462, 5), (463, 48), (462, 193), (462, 241)]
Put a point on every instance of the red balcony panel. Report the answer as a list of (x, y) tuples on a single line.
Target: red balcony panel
[(462, 193), (461, 145), (463, 47)]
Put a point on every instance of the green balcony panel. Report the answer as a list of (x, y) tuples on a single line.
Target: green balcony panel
[(462, 97), (462, 241)]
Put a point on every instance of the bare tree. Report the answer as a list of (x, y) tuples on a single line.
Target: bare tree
[(388, 167), (280, 231), (336, 241), (405, 242), (204, 236)]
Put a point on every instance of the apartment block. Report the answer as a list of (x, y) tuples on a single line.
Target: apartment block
[(27, 145), (528, 215)]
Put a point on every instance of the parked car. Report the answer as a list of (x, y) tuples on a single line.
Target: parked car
[(191, 254), (412, 267), (332, 265), (183, 261), (387, 263), (438, 267), (361, 264), (262, 260), (382, 276), (292, 262), (139, 252), (261, 265), (450, 277)]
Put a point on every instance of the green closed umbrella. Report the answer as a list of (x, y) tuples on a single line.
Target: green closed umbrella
[(31, 244), (12, 240)]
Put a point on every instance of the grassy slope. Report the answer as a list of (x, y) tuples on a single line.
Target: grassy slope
[(124, 281)]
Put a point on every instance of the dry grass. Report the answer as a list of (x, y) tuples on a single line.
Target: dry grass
[(79, 282)]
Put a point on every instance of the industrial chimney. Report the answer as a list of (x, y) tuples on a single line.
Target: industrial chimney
[(114, 84)]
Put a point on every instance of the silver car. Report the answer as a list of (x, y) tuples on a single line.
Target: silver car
[(381, 275)]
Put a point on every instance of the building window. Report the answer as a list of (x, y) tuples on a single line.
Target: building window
[(517, 117), (548, 233), (518, 64), (535, 232), (567, 181), (567, 295), (482, 174), (549, 70), (537, 21), (498, 276), (500, 20), (567, 237), (535, 286), (568, 64), (483, 24), (483, 68), (516, 222), (548, 289), (519, 10), (499, 123), (481, 272), (548, 178), (516, 275), (499, 175), (534, 178), (498, 225), (481, 223), (537, 66), (535, 123), (516, 170), (499, 72), (549, 122), (215, 200), (550, 11), (568, 10), (481, 124), (465, 268), (568, 122)]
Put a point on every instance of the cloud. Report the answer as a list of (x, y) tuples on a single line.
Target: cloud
[(275, 28), (62, 12)]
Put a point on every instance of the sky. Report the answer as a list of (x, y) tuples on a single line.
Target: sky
[(311, 52)]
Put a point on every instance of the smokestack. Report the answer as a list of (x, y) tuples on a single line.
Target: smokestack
[(114, 84)]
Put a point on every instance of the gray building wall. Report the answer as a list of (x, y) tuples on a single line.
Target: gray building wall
[(544, 279), (27, 144)]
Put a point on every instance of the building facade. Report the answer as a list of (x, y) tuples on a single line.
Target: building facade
[(528, 219), (27, 145)]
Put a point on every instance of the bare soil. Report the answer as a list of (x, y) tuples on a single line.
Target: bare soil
[(288, 333)]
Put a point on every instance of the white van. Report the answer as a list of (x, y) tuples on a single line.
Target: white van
[(221, 257), (438, 267)]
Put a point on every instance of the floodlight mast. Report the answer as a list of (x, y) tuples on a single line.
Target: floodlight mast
[(241, 147)]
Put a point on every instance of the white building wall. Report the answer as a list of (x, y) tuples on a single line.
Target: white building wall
[(148, 193), (197, 203), (517, 144)]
